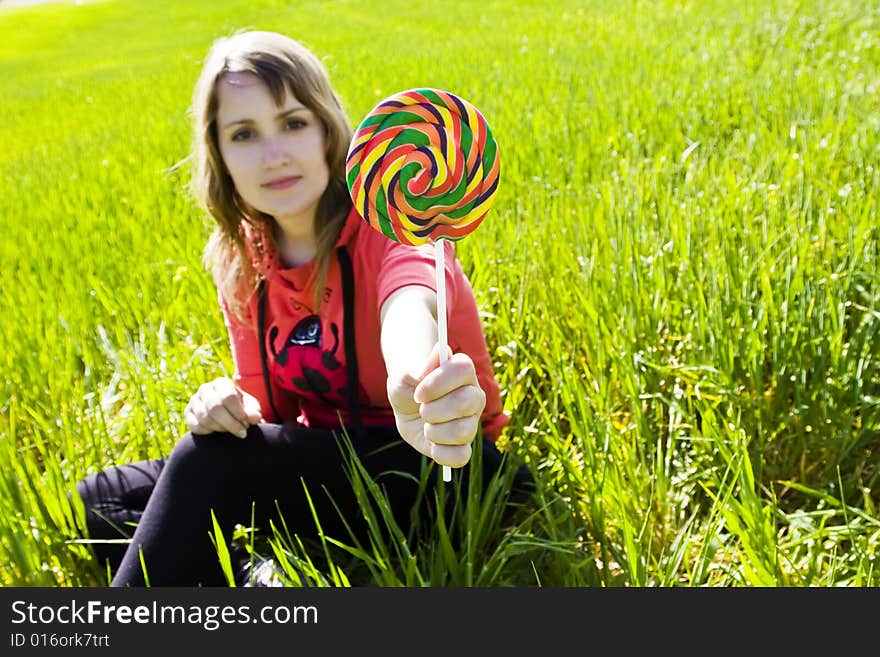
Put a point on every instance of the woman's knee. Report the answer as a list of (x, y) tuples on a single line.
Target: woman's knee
[(193, 454), (213, 459)]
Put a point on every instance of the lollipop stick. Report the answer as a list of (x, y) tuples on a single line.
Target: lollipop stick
[(440, 269)]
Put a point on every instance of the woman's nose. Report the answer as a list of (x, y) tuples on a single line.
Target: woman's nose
[(274, 153)]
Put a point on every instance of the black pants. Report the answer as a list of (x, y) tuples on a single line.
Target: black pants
[(261, 477)]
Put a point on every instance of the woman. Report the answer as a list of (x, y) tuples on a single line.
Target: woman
[(333, 333)]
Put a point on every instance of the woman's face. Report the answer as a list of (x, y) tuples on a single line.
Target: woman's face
[(274, 153)]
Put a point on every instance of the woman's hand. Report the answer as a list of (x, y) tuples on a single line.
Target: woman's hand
[(220, 406), (438, 412)]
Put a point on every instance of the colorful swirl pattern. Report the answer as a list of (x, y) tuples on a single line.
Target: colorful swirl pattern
[(423, 165)]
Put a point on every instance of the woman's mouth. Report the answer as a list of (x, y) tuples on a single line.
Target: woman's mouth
[(282, 183)]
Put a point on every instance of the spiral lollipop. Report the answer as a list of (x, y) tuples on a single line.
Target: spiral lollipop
[(422, 167)]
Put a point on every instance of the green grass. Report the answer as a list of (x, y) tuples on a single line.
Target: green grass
[(679, 280)]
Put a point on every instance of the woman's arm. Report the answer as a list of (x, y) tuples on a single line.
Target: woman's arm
[(437, 409)]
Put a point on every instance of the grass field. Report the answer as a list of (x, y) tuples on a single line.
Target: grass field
[(679, 280)]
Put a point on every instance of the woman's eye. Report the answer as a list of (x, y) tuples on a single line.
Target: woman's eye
[(242, 135), (294, 124)]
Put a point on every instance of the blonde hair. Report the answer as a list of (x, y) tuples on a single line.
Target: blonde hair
[(282, 64)]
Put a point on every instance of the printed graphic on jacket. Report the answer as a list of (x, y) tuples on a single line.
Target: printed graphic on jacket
[(308, 366)]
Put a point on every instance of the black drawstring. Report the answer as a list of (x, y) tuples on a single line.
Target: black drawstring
[(351, 362), (261, 321)]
